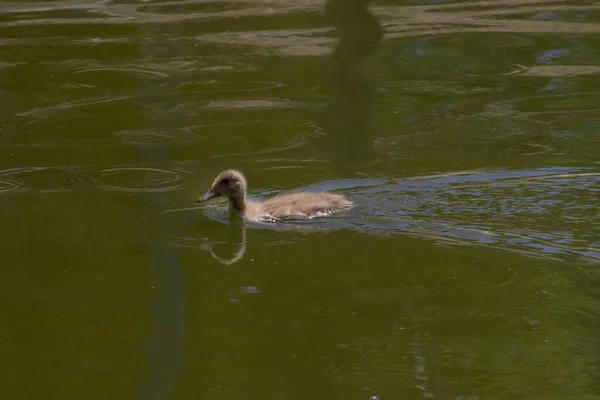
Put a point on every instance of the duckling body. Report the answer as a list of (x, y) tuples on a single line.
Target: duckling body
[(288, 206)]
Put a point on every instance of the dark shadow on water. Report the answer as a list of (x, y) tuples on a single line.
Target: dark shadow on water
[(350, 118)]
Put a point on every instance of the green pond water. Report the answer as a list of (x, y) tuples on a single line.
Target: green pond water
[(467, 134)]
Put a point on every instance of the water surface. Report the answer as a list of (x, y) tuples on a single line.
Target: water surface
[(465, 132)]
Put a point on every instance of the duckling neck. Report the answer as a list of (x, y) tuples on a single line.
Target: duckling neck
[(237, 204)]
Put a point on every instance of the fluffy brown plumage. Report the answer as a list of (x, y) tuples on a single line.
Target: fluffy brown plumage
[(300, 205)]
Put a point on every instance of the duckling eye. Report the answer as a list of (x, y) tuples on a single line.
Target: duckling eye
[(226, 181)]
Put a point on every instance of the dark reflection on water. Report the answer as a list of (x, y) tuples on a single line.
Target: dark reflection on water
[(352, 110), (164, 344)]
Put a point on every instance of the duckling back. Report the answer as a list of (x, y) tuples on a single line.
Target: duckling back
[(299, 206)]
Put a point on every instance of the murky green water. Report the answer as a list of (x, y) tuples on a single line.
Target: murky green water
[(466, 133)]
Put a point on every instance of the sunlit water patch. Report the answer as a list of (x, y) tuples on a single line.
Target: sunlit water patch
[(554, 70)]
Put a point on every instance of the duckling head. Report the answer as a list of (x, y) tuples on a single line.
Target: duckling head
[(229, 183)]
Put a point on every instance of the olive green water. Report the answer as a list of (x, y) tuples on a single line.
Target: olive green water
[(466, 133)]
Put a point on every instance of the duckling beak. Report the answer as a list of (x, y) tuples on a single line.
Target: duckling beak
[(209, 195)]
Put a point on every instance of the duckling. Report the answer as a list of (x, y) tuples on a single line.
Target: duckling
[(302, 205)]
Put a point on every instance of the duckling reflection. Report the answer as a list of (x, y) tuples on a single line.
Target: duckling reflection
[(236, 241), (288, 206)]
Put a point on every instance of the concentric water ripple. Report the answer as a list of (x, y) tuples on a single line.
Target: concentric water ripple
[(222, 86), (212, 6), (186, 97), (130, 70), (134, 179), (150, 138), (187, 226), (232, 139), (111, 77), (11, 186)]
